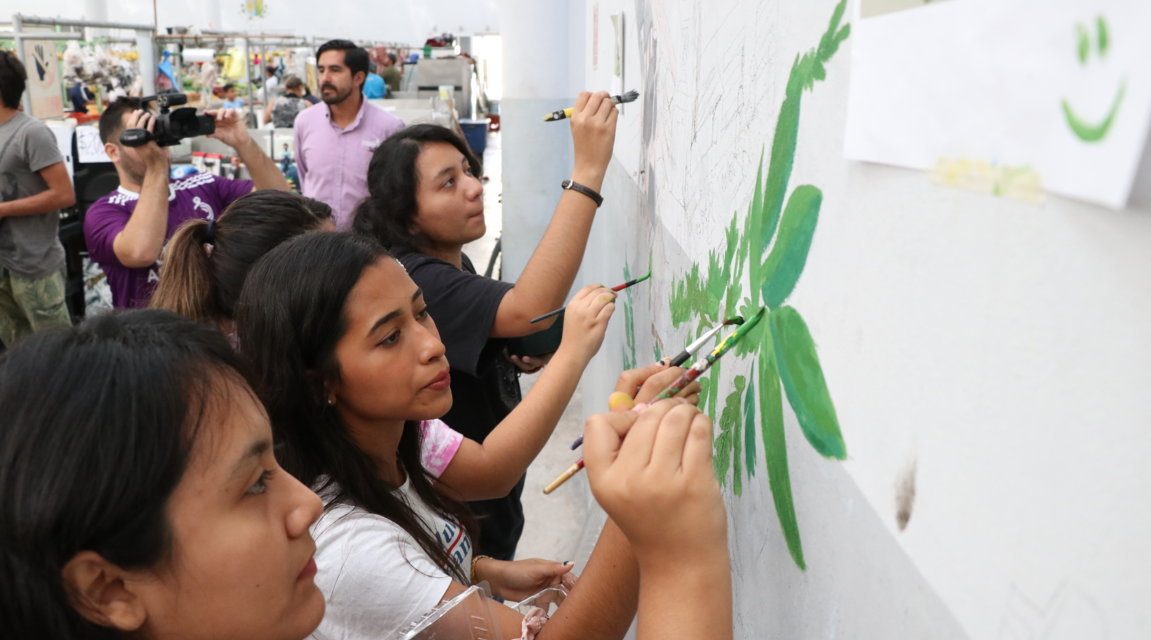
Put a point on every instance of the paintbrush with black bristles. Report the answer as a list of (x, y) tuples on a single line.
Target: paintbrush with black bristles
[(630, 96)]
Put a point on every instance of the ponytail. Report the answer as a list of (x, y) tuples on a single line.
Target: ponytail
[(207, 262), (186, 278)]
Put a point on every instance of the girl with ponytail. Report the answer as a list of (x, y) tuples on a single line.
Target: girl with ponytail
[(206, 261)]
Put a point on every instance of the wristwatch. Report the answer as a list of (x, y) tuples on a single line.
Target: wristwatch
[(587, 191)]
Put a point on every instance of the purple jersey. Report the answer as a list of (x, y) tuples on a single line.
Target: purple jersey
[(200, 196)]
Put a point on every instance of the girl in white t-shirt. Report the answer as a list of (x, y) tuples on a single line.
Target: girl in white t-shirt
[(162, 513), (348, 362)]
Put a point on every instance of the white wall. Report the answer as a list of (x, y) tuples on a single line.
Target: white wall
[(998, 348)]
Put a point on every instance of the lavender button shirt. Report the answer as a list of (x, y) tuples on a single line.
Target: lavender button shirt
[(333, 162)]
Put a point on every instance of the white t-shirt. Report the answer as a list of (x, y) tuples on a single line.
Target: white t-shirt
[(374, 575)]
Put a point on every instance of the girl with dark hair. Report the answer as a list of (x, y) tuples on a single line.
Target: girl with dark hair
[(353, 373), (138, 491), (425, 202), (205, 262)]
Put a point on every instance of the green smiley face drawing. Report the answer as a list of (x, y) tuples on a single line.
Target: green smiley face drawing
[(1084, 129)]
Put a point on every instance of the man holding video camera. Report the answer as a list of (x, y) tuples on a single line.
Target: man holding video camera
[(125, 231)]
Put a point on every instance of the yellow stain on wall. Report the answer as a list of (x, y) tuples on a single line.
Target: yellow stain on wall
[(1017, 182)]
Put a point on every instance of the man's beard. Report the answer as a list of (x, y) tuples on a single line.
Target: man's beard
[(335, 98)]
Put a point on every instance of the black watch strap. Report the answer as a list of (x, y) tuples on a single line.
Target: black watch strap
[(586, 190)]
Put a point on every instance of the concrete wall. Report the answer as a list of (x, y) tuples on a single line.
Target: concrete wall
[(987, 358)]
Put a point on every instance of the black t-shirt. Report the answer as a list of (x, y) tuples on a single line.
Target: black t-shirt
[(485, 386)]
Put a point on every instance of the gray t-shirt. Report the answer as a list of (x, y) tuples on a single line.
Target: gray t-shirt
[(29, 245)]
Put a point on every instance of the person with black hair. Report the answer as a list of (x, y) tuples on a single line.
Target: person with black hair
[(351, 369), (426, 203), (334, 141), (162, 512), (139, 494), (206, 262), (232, 100), (391, 72), (34, 186), (282, 111), (125, 231)]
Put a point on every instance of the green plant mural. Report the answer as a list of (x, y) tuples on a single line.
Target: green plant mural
[(770, 248), (1083, 129), (629, 357)]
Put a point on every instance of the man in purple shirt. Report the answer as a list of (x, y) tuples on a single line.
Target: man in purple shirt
[(125, 231), (335, 140)]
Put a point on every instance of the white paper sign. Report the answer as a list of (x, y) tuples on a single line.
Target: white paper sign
[(89, 146), (1057, 87)]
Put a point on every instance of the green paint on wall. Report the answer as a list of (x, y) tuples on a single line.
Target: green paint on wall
[(802, 377), (770, 248), (775, 450), (749, 428), (628, 304), (785, 264)]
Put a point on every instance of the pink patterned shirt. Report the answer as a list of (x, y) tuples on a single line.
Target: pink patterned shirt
[(438, 445)]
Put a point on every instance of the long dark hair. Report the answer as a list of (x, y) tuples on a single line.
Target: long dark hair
[(205, 263), (98, 422), (289, 319), (386, 214)]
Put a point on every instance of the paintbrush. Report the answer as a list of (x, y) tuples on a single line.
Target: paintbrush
[(616, 289), (679, 359), (564, 477), (690, 349), (630, 96), (696, 370), (704, 363)]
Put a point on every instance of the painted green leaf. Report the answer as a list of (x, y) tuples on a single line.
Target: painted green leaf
[(802, 378), (707, 396), (722, 458), (788, 256), (1102, 35), (749, 427), (750, 342), (628, 303), (729, 421), (775, 450), (754, 236), (778, 171)]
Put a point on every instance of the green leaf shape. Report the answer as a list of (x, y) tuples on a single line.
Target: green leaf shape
[(1083, 43), (629, 356), (805, 72), (722, 459), (749, 427), (802, 377), (750, 342), (729, 422), (699, 294), (789, 255), (775, 450), (707, 393), (1103, 36)]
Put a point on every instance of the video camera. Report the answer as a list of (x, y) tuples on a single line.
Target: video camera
[(171, 126)]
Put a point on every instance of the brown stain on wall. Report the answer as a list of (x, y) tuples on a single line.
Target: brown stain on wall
[(905, 495)]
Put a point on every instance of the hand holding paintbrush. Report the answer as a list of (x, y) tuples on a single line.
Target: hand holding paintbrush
[(562, 114), (615, 289), (687, 377)]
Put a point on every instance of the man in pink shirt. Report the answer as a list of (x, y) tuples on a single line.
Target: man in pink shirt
[(335, 140)]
